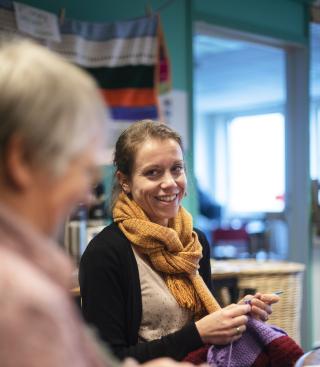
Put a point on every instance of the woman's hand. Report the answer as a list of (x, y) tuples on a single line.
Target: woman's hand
[(224, 326), (260, 304)]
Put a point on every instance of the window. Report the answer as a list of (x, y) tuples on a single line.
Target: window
[(314, 141), (256, 163)]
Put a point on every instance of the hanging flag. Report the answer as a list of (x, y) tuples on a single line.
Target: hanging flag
[(128, 59)]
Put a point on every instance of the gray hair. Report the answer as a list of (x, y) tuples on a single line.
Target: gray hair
[(53, 105)]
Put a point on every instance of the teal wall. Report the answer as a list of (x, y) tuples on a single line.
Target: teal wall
[(281, 19)]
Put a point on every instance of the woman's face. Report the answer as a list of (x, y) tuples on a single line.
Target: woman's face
[(158, 181)]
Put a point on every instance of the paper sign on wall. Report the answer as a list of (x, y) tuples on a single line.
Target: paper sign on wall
[(174, 109), (37, 23)]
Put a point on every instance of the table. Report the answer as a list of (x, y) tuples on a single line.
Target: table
[(250, 276)]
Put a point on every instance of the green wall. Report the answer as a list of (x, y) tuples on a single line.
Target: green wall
[(281, 19)]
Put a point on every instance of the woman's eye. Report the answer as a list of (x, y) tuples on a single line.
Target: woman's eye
[(178, 169), (152, 173)]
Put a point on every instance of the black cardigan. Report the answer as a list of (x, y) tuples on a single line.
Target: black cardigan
[(111, 299)]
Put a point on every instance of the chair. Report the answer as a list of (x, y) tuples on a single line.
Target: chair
[(237, 238)]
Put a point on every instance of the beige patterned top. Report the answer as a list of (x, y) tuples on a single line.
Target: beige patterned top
[(161, 314)]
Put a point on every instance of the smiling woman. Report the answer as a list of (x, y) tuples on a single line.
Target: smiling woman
[(145, 279), (158, 182)]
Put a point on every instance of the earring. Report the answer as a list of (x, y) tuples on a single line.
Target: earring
[(125, 188)]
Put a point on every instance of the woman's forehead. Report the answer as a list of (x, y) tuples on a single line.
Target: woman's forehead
[(156, 151)]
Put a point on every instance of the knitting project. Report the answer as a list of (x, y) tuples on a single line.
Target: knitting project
[(261, 345)]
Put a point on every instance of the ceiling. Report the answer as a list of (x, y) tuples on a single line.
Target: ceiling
[(236, 74)]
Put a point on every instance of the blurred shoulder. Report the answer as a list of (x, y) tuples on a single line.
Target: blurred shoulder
[(38, 318)]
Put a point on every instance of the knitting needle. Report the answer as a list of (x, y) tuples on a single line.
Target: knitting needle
[(277, 293)]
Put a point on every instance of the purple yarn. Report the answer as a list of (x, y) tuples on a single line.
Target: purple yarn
[(245, 350)]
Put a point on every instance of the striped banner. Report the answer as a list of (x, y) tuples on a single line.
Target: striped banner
[(127, 58)]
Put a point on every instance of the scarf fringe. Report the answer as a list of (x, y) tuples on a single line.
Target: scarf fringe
[(185, 294)]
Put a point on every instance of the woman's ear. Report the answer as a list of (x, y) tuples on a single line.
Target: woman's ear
[(123, 182), (18, 170)]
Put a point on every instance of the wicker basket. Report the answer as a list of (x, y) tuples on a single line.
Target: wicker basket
[(268, 277)]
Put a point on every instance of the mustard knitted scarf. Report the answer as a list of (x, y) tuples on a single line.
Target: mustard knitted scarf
[(175, 251)]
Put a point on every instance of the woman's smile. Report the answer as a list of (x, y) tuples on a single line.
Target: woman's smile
[(167, 198)]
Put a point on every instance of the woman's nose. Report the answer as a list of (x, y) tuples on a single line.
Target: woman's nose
[(168, 180)]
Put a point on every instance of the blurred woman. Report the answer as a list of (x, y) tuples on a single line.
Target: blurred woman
[(52, 119), (145, 279)]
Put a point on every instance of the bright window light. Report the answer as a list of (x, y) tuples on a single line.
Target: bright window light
[(314, 144), (256, 163)]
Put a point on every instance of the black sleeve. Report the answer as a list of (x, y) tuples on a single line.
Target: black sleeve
[(205, 267), (176, 346), (111, 302)]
